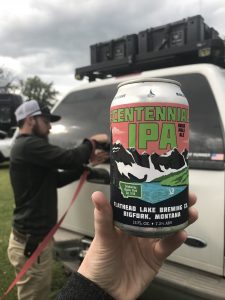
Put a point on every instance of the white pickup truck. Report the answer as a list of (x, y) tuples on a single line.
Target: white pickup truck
[(197, 268)]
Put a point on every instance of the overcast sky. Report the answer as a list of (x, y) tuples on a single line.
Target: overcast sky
[(50, 38)]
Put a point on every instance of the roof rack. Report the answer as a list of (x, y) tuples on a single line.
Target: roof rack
[(183, 42)]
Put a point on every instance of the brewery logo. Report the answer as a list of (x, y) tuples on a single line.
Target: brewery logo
[(151, 94)]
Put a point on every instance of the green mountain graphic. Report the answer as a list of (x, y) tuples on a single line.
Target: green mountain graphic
[(174, 179)]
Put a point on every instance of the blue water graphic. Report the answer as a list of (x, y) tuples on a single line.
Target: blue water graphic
[(154, 192)]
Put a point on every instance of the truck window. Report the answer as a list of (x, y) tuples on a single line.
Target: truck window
[(206, 138), (86, 112)]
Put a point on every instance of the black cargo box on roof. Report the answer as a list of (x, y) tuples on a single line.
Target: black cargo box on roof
[(183, 42), (115, 49), (181, 33)]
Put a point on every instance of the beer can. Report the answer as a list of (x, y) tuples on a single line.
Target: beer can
[(149, 121)]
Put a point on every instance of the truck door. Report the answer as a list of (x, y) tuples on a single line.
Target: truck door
[(84, 113), (205, 246)]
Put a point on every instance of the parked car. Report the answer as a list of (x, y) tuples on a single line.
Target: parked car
[(198, 266), (5, 148)]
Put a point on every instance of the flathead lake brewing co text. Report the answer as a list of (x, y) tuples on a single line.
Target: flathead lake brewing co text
[(143, 213)]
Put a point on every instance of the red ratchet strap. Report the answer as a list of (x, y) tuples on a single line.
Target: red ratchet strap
[(47, 238)]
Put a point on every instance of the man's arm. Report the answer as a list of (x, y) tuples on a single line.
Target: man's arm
[(40, 152)]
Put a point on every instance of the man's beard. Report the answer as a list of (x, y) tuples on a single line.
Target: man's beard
[(36, 131)]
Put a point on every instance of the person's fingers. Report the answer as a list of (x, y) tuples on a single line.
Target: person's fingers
[(192, 199), (104, 155), (165, 246), (193, 215), (192, 212), (103, 216), (99, 158)]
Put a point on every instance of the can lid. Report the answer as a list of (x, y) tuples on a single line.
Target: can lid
[(149, 79)]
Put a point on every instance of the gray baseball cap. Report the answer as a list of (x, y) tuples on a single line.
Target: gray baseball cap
[(32, 108)]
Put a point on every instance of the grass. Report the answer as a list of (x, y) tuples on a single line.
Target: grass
[(177, 179), (7, 274), (174, 179)]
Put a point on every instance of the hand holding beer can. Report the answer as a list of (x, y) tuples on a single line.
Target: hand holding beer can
[(149, 157)]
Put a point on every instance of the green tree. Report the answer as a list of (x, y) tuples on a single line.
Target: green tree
[(35, 88)]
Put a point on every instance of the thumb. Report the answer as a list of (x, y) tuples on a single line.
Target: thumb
[(103, 216)]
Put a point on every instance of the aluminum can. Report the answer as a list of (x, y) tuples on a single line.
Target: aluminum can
[(149, 121)]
